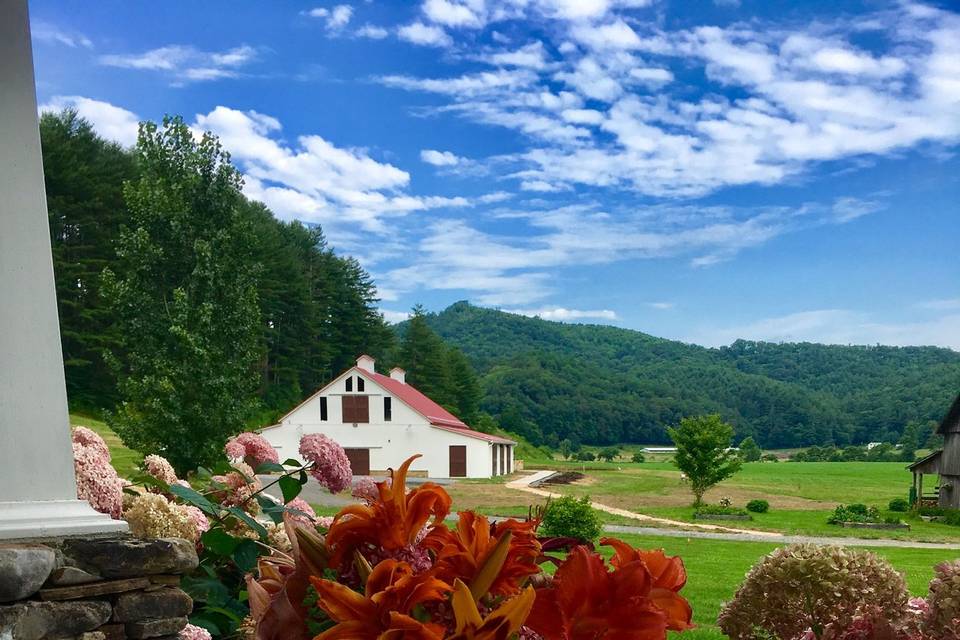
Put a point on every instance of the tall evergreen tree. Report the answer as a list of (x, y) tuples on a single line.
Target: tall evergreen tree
[(183, 291), (464, 384), (424, 357), (84, 177)]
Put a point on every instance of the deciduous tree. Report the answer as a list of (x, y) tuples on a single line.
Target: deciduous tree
[(703, 452)]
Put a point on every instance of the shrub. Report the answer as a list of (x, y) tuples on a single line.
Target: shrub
[(758, 506), (943, 619), (805, 586), (769, 457), (608, 453), (720, 510), (854, 513), (638, 457), (900, 505), (572, 517), (952, 517), (585, 456)]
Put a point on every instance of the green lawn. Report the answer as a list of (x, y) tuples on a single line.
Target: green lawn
[(716, 568), (124, 460)]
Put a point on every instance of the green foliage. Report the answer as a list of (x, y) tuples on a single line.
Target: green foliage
[(608, 453), (184, 300), (720, 510), (854, 513), (638, 457), (569, 516), (750, 450), (769, 457), (702, 452), (84, 177), (604, 385), (883, 452), (806, 586), (758, 506), (899, 505), (585, 456)]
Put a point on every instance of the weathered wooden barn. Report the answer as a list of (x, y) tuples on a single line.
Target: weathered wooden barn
[(944, 463)]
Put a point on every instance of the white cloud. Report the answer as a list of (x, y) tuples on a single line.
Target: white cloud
[(185, 63), (372, 31), (439, 158), (838, 326), (454, 13), (109, 121), (393, 317), (661, 306), (335, 19), (942, 304), (48, 33), (423, 34), (566, 315), (532, 55)]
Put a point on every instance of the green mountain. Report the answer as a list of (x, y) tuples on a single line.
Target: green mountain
[(600, 384)]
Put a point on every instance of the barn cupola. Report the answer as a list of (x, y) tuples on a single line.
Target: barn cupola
[(399, 375), (366, 363)]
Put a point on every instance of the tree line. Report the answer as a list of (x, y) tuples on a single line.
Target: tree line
[(188, 311)]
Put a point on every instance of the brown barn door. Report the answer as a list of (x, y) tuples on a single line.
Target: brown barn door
[(359, 461), (458, 461)]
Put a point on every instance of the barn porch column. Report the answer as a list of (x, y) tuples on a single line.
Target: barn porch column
[(38, 497)]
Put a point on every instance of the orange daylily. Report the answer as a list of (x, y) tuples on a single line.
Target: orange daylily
[(393, 521), (501, 624), (668, 574), (383, 611), (462, 553), (588, 602)]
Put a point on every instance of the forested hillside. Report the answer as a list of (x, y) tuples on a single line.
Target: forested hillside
[(601, 384)]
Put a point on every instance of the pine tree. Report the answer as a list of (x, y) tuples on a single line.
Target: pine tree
[(465, 387), (84, 176), (424, 357), (183, 292)]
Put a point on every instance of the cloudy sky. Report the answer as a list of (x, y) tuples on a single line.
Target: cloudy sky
[(697, 170)]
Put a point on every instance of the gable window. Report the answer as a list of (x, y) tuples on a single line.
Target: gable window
[(359, 383), (349, 383), (387, 409), (323, 408)]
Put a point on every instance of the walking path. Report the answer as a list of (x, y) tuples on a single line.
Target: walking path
[(679, 529)]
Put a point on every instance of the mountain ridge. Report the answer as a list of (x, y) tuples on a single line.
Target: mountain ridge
[(600, 384)]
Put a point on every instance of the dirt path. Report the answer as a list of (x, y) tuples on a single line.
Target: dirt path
[(679, 529)]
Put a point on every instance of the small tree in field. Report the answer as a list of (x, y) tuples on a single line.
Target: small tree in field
[(608, 453), (750, 450), (702, 452)]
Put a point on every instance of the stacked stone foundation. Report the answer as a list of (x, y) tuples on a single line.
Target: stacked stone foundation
[(94, 589)]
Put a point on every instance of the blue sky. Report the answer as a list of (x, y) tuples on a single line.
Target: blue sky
[(697, 170)]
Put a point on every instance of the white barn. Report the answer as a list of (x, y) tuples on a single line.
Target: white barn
[(381, 421)]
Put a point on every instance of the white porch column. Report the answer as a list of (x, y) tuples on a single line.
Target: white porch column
[(37, 491)]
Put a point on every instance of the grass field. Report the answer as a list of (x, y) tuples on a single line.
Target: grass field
[(124, 460)]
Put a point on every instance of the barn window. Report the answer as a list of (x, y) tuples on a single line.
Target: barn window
[(387, 409), (349, 383), (359, 383), (323, 408)]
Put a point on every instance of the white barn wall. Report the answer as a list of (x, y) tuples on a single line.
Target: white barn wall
[(390, 443)]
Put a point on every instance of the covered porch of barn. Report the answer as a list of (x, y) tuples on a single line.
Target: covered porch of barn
[(929, 466)]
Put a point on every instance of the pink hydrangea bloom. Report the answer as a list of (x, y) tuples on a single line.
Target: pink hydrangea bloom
[(200, 520), (91, 440), (160, 468), (331, 467), (307, 516), (193, 632), (324, 522), (97, 481), (366, 490), (252, 448)]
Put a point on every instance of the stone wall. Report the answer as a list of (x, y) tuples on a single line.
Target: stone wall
[(94, 589)]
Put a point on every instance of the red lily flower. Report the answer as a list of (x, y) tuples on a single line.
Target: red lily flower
[(390, 523), (668, 574), (383, 612), (588, 602), (464, 552)]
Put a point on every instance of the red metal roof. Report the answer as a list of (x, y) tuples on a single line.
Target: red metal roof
[(437, 415)]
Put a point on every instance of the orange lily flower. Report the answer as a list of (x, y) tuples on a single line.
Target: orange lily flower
[(587, 602), (668, 574), (393, 521), (501, 624), (383, 612), (461, 554)]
